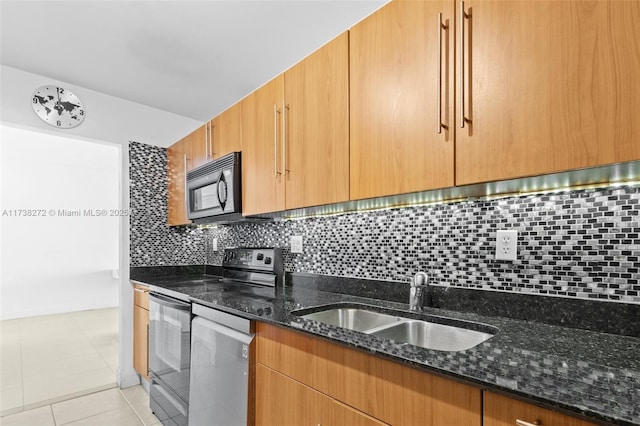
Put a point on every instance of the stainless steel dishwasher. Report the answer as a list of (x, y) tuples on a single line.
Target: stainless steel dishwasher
[(222, 343), (220, 364)]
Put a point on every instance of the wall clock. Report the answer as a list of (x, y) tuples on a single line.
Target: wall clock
[(58, 107)]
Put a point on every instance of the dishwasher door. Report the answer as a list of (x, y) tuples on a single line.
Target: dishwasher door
[(220, 372)]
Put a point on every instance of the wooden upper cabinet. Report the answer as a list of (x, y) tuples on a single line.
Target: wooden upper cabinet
[(262, 177), (176, 175), (295, 135), (316, 127), (196, 147), (394, 80), (502, 411), (548, 86), (226, 132)]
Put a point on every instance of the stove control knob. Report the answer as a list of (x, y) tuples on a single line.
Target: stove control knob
[(267, 261), (260, 256)]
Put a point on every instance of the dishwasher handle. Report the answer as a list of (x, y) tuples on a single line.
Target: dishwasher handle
[(169, 301), (243, 325)]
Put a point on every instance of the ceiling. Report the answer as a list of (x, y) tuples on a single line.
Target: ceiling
[(190, 58)]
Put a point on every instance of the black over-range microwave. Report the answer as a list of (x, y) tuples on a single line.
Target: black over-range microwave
[(213, 191)]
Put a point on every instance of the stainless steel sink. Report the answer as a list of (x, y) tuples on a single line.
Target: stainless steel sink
[(433, 336), (353, 318), (456, 336)]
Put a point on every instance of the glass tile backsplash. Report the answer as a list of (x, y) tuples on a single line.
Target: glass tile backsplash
[(579, 243)]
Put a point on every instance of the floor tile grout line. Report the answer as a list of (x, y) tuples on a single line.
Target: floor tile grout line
[(90, 416), (66, 318), (53, 415), (91, 342), (132, 407)]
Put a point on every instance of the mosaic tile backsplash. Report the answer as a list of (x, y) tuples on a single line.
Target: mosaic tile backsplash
[(580, 243), (152, 242)]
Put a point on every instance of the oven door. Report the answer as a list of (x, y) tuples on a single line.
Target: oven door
[(169, 344)]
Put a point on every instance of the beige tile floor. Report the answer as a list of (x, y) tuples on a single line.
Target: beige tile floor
[(48, 359), (112, 407)]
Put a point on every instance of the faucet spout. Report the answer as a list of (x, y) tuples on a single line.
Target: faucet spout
[(419, 285)]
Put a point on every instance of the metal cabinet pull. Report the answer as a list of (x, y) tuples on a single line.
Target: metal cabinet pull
[(463, 15), (440, 28), (210, 142), (148, 345), (186, 189), (284, 137), (275, 142), (523, 423), (206, 140)]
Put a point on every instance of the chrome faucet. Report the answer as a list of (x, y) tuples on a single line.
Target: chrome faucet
[(419, 285)]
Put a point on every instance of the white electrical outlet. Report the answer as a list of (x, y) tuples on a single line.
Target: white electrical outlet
[(296, 244), (214, 244), (506, 245)]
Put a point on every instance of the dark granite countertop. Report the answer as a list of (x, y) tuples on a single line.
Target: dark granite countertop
[(585, 373)]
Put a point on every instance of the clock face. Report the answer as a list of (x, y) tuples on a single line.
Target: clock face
[(58, 107)]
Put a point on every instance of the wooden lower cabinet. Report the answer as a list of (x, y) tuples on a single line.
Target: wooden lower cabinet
[(385, 390), (503, 411), (141, 330), (282, 401)]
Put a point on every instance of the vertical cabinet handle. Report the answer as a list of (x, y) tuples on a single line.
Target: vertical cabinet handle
[(211, 153), (523, 423), (148, 344), (186, 193), (206, 140), (275, 142), (284, 137), (440, 28), (463, 15)]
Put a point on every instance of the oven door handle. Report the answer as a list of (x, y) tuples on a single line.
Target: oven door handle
[(166, 301)]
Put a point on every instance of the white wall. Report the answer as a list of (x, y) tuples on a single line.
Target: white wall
[(52, 263), (108, 118)]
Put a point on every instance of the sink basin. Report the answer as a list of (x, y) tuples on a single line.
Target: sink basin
[(442, 334), (433, 336), (352, 318)]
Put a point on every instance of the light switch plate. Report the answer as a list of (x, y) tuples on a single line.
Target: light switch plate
[(296, 244), (214, 244), (506, 245)]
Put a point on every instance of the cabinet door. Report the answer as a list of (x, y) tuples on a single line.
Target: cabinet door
[(394, 80), (395, 393), (281, 401), (548, 86), (196, 147), (316, 134), (176, 175), (262, 175), (503, 411), (141, 340), (226, 132)]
